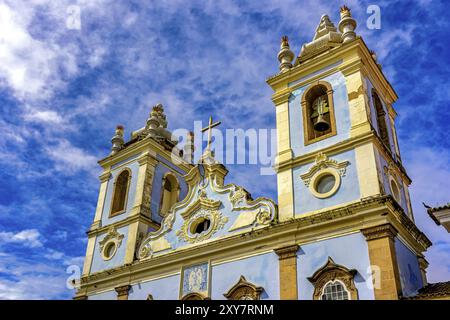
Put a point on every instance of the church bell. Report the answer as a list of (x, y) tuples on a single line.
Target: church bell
[(321, 124)]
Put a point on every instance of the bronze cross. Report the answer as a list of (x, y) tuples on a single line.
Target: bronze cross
[(209, 129)]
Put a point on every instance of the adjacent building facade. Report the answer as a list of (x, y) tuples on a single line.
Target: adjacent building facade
[(342, 226)]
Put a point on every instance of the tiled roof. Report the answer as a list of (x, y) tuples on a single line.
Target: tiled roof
[(431, 210), (433, 290), (445, 206)]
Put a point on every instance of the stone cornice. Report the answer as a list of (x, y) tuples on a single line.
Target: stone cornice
[(119, 224), (339, 147), (145, 145), (334, 54), (352, 218)]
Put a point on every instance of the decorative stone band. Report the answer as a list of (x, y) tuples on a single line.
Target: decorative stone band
[(122, 292), (287, 252), (381, 231)]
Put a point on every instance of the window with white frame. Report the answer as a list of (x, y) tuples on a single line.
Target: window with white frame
[(335, 290)]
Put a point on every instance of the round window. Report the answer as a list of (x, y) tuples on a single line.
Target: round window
[(109, 250), (395, 191), (200, 225), (325, 183)]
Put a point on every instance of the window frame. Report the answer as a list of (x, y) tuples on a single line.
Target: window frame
[(176, 189), (305, 113), (332, 282), (114, 214)]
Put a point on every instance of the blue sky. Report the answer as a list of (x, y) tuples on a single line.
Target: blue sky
[(62, 92)]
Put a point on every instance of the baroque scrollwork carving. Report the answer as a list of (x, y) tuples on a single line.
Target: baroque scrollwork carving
[(110, 243), (244, 290), (323, 162), (217, 221)]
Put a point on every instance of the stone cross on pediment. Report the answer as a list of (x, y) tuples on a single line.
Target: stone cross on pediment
[(207, 156)]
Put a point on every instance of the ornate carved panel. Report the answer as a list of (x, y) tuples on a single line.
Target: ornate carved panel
[(244, 290), (331, 272)]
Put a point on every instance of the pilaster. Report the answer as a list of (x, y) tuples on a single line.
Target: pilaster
[(357, 98), (104, 178), (89, 255), (366, 167), (287, 257), (122, 292), (383, 257)]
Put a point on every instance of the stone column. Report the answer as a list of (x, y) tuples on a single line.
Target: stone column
[(122, 292), (287, 257), (383, 259), (423, 265)]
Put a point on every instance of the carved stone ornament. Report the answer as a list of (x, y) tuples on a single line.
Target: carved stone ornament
[(217, 221), (323, 162), (199, 206), (244, 290), (112, 238), (331, 271)]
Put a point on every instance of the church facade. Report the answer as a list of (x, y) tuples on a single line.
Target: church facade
[(342, 226)]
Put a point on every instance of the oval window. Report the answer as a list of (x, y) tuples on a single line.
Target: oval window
[(200, 225), (325, 183), (109, 250)]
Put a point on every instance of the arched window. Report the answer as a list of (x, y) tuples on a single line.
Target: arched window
[(120, 193), (318, 112), (194, 296), (334, 282), (244, 290), (381, 119), (169, 193), (335, 290)]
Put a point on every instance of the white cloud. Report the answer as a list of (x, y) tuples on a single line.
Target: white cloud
[(28, 238), (46, 116), (70, 158)]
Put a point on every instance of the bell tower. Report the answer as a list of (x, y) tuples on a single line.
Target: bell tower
[(338, 149)]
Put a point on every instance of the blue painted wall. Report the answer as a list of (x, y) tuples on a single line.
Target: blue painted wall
[(161, 289), (98, 264), (261, 270), (349, 251), (160, 171), (305, 201), (410, 276), (341, 111), (134, 167)]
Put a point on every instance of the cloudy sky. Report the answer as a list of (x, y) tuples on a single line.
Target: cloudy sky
[(63, 89)]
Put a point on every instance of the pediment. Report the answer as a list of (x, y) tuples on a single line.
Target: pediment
[(221, 210)]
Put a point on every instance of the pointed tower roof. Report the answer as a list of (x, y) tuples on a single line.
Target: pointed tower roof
[(325, 26), (326, 37)]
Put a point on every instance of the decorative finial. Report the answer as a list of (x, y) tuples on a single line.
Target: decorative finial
[(285, 55), (347, 25), (157, 118), (117, 140), (189, 148)]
